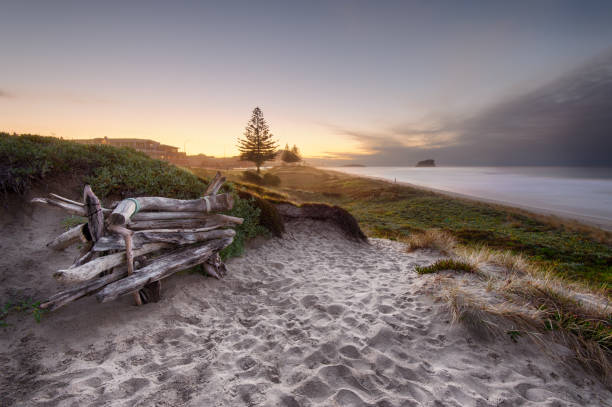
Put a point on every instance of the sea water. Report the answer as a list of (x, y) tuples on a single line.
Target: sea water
[(573, 192)]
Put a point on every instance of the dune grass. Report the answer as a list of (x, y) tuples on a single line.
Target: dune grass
[(446, 264), (388, 210)]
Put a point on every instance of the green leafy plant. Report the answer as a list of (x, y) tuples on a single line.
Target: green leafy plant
[(26, 306), (514, 334)]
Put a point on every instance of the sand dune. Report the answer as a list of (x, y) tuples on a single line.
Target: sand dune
[(308, 320)]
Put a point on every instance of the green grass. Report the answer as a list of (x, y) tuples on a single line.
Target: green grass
[(388, 210), (446, 264), (113, 173)]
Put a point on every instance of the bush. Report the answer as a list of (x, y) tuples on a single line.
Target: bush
[(269, 216), (118, 171), (252, 177), (251, 227), (271, 180)]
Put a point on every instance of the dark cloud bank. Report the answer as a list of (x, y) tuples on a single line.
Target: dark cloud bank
[(566, 123)]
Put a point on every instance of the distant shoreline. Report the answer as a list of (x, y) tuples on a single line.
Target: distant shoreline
[(601, 223)]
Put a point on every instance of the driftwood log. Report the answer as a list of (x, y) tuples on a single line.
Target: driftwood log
[(143, 228), (173, 236), (73, 235), (141, 216), (74, 293), (129, 253), (93, 268), (67, 204), (215, 184), (164, 266), (95, 216), (210, 203), (210, 221)]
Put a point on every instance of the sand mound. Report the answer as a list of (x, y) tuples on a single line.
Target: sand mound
[(312, 319)]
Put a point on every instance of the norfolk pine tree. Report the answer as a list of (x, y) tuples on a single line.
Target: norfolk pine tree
[(257, 145)]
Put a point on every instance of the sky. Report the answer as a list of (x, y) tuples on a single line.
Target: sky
[(375, 82)]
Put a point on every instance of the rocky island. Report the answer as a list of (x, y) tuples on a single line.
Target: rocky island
[(426, 163)]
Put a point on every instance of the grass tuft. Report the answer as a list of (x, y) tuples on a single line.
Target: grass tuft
[(431, 239), (446, 264)]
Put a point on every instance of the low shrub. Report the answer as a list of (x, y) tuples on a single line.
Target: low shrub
[(271, 180), (269, 216), (24, 159), (246, 209), (252, 177)]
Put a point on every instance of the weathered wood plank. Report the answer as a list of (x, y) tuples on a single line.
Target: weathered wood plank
[(65, 297), (140, 216), (211, 221), (214, 203), (93, 268), (171, 236), (163, 267)]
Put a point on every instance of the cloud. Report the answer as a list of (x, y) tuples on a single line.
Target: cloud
[(5, 94), (567, 122)]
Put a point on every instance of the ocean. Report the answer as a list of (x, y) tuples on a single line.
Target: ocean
[(578, 193)]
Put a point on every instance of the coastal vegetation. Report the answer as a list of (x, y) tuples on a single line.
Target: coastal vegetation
[(388, 210), (113, 173)]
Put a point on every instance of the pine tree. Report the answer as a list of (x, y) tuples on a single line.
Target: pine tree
[(295, 150), (257, 145), (291, 155)]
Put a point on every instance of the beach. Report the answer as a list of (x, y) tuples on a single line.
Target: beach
[(310, 319), (582, 194)]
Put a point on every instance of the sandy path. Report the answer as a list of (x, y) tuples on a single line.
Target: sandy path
[(308, 320)]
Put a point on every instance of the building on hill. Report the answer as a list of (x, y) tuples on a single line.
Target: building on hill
[(150, 147)]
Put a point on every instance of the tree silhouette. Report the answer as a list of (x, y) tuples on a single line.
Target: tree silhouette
[(257, 145), (291, 156)]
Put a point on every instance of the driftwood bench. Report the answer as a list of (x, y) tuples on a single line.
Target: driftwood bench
[(132, 246)]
